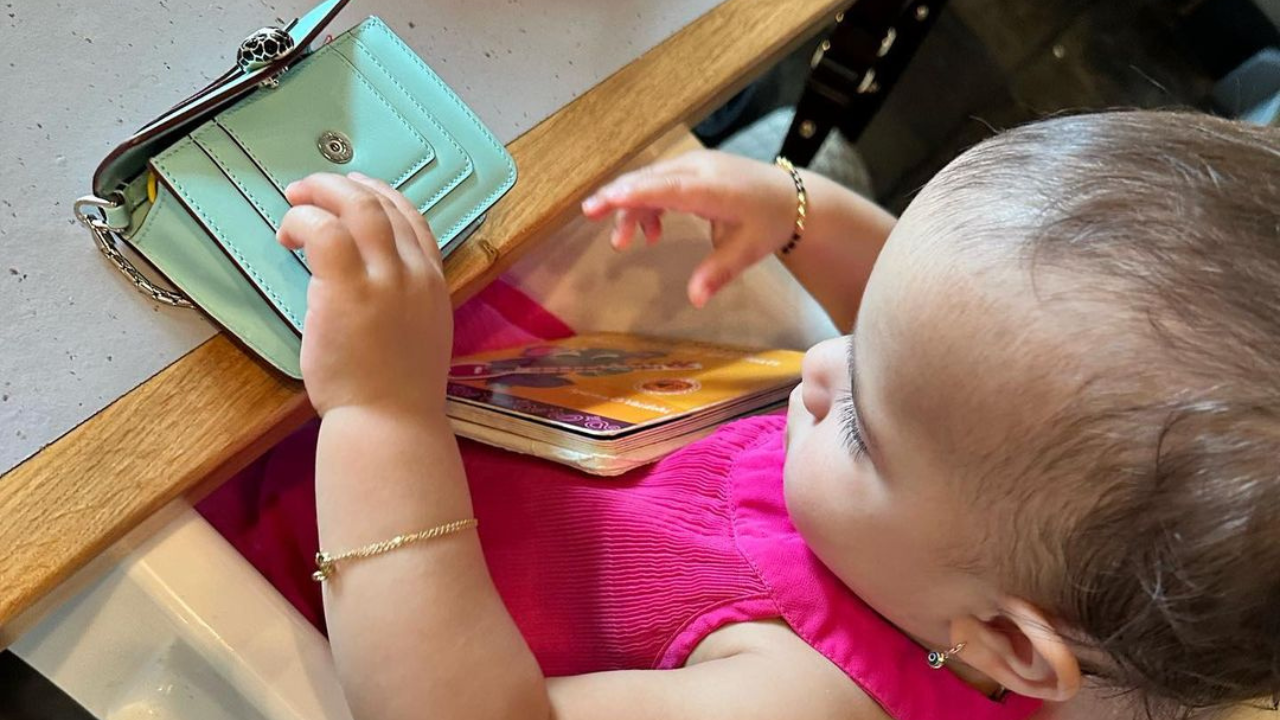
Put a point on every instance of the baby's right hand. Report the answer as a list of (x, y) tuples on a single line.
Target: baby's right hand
[(379, 324), (751, 206)]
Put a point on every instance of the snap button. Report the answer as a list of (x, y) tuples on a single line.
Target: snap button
[(335, 146)]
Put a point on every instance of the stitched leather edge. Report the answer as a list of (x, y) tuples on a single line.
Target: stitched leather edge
[(375, 22), (467, 169), (219, 234), (318, 55), (161, 200), (240, 185), (226, 168)]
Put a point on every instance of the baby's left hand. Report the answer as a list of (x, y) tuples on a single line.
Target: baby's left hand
[(379, 326)]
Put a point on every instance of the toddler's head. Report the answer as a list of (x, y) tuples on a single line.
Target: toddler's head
[(1060, 444)]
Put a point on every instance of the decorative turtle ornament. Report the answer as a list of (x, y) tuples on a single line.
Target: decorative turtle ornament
[(261, 48)]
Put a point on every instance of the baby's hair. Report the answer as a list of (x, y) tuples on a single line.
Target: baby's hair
[(1168, 564)]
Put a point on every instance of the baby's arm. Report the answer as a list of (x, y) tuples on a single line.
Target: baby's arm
[(842, 238), (741, 672), (752, 208), (421, 631)]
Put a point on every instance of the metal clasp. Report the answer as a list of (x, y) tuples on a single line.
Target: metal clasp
[(262, 48), (93, 201)]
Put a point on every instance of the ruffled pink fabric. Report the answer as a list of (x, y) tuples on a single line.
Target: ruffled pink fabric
[(888, 665), (268, 510)]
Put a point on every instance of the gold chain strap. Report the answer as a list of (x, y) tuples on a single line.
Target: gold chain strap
[(326, 564)]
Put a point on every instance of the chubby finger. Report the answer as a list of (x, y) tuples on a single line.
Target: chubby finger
[(624, 229), (719, 269), (403, 233), (651, 224), (359, 208), (406, 238), (700, 196), (421, 229), (600, 203), (331, 251), (696, 167), (683, 163)]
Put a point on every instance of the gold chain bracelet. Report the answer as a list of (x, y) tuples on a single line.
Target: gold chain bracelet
[(327, 564), (802, 203)]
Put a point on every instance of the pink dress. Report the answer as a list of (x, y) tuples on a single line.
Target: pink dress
[(631, 572)]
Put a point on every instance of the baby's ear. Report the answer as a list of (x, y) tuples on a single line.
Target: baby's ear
[(1021, 650)]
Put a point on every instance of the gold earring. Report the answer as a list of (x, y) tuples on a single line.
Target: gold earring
[(939, 658)]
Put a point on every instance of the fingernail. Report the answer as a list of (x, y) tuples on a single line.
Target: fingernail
[(357, 176), (291, 186), (591, 204), (614, 192)]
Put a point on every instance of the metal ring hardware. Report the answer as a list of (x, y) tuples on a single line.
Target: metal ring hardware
[(104, 237)]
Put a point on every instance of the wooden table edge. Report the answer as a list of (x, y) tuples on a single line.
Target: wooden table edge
[(208, 414)]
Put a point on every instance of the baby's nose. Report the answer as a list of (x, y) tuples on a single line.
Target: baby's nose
[(820, 373)]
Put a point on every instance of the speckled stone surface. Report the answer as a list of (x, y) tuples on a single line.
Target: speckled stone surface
[(77, 77)]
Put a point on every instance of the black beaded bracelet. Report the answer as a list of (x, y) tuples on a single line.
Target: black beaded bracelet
[(802, 204)]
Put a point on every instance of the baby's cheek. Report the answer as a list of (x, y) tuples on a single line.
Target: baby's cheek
[(807, 490)]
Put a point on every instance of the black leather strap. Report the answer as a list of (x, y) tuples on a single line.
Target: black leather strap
[(870, 47)]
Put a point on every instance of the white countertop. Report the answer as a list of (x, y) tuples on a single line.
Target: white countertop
[(77, 77)]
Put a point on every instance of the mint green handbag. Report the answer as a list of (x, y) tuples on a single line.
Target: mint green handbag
[(217, 165)]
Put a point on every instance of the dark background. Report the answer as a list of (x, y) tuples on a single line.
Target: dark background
[(990, 64)]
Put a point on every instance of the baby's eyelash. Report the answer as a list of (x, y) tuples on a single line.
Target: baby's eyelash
[(849, 428)]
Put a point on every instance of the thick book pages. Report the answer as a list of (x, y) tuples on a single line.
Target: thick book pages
[(607, 403)]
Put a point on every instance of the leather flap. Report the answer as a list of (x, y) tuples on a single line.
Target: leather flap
[(130, 157), (325, 117)]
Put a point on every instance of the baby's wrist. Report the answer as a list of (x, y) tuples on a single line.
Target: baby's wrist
[(397, 418)]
